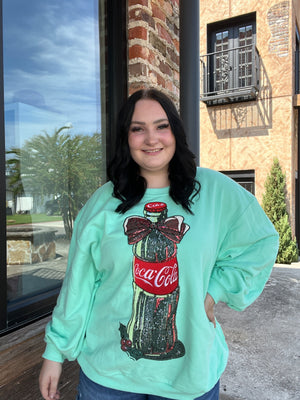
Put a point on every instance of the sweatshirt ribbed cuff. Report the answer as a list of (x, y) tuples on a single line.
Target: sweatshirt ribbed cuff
[(52, 354), (216, 291)]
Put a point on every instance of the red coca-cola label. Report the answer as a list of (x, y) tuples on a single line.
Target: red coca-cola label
[(156, 277)]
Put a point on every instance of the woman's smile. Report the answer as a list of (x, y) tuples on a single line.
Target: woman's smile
[(153, 151)]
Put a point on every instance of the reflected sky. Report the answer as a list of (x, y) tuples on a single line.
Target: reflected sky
[(51, 67)]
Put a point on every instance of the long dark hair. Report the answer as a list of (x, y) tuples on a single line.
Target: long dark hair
[(123, 171)]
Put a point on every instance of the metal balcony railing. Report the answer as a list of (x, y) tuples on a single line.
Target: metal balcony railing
[(230, 75)]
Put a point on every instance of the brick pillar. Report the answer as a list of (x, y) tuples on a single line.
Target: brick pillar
[(153, 45)]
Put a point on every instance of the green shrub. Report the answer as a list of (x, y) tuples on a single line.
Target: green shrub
[(288, 251), (274, 205)]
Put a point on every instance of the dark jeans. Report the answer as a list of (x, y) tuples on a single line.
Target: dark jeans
[(89, 390)]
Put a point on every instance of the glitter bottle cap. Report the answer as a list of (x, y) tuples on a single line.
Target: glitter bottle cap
[(155, 207)]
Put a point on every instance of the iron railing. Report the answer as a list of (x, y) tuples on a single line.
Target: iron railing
[(230, 75)]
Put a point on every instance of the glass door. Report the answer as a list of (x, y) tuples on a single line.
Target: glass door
[(232, 64), (246, 53), (55, 136), (222, 62)]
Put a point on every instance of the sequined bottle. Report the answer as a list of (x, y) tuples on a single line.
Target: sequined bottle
[(152, 328)]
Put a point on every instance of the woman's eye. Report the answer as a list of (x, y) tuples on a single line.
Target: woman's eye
[(163, 126), (136, 129)]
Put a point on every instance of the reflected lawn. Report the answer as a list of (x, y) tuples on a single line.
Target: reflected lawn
[(17, 219)]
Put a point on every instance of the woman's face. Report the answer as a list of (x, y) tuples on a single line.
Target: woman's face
[(151, 142)]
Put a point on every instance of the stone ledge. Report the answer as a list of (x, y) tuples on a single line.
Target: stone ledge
[(28, 245)]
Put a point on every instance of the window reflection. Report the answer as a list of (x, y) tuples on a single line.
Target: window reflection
[(53, 133)]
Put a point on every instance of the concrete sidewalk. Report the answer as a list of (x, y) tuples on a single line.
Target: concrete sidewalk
[(264, 342)]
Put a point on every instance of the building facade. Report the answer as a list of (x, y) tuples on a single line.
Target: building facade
[(249, 67)]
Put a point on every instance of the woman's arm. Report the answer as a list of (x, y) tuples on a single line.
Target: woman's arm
[(245, 259), (49, 378)]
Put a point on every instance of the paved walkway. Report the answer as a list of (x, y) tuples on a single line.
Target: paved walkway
[(264, 342)]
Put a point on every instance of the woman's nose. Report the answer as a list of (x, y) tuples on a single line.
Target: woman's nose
[(151, 136)]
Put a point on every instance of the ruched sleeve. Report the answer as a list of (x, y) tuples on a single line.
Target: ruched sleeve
[(245, 259), (65, 333)]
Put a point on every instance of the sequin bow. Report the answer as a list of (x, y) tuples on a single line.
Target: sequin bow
[(136, 228)]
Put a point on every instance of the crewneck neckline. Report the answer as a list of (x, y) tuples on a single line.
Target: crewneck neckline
[(157, 191)]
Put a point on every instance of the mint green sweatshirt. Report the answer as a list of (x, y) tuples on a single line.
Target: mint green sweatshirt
[(131, 308)]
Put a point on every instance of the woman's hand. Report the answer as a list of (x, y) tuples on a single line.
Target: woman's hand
[(49, 378), (209, 308)]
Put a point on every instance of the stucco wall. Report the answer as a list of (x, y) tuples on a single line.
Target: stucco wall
[(249, 135)]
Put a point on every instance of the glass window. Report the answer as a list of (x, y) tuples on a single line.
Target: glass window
[(54, 132), (245, 55), (233, 57), (230, 70), (245, 178), (222, 60)]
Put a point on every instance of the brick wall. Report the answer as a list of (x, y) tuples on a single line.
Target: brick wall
[(153, 45), (278, 20)]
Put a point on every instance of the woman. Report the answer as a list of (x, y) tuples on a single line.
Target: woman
[(152, 251)]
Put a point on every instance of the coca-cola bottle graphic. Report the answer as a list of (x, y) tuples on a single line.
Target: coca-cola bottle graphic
[(151, 331)]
